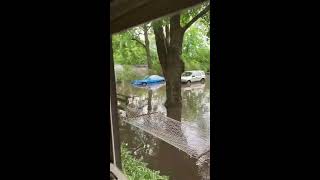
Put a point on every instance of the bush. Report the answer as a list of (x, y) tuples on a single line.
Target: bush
[(127, 74), (195, 65), (137, 170), (192, 65)]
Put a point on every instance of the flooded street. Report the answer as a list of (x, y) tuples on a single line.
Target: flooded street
[(158, 154)]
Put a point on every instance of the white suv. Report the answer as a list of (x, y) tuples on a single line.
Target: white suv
[(193, 76)]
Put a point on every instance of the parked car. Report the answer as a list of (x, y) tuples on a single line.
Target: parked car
[(193, 76), (149, 80)]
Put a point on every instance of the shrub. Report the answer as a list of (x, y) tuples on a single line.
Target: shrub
[(127, 74)]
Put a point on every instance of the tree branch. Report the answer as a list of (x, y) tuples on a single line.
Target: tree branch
[(139, 42), (202, 13)]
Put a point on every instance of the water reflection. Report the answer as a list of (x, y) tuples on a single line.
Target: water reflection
[(158, 154)]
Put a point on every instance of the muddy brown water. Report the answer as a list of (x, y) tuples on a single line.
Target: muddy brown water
[(158, 154)]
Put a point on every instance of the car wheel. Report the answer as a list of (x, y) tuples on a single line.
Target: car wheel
[(144, 84), (189, 83), (202, 81)]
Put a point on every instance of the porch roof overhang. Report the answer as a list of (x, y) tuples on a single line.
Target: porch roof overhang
[(129, 13)]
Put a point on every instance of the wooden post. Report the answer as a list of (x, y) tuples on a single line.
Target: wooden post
[(114, 123)]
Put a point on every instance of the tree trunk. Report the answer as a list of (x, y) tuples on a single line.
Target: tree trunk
[(147, 46), (173, 86), (169, 53)]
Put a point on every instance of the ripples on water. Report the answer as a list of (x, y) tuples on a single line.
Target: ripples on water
[(158, 154)]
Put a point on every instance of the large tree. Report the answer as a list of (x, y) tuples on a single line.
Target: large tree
[(169, 35)]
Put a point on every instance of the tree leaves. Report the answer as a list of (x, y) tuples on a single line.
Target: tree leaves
[(187, 15), (196, 44), (196, 49), (127, 51)]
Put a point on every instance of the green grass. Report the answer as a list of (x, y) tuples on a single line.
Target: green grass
[(137, 170)]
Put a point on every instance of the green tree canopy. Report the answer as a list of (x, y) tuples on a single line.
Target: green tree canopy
[(128, 45)]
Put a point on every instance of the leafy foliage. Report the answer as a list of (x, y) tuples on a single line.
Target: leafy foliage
[(127, 51), (196, 49), (127, 74), (196, 44), (188, 14)]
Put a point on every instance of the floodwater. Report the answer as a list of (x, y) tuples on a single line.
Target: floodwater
[(158, 154)]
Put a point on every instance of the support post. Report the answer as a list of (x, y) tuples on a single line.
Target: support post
[(114, 123)]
